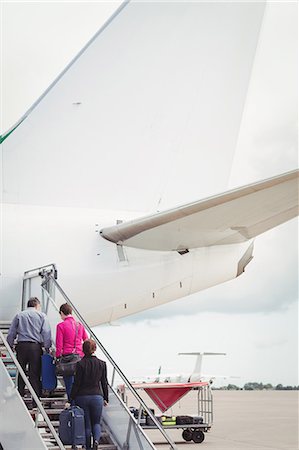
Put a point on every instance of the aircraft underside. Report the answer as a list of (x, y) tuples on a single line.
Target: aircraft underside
[(106, 282)]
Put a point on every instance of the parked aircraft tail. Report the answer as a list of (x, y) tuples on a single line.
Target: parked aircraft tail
[(198, 364)]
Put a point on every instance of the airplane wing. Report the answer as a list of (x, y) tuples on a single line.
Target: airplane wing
[(228, 218)]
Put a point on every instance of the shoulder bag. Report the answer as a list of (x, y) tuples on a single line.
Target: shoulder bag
[(66, 365)]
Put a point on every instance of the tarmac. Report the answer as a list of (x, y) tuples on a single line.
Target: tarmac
[(243, 420)]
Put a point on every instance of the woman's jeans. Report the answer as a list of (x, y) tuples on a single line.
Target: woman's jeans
[(68, 382), (92, 406)]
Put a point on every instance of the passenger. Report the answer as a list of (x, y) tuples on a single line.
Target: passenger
[(67, 341), (32, 329), (90, 391)]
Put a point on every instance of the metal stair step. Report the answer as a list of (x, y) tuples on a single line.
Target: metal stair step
[(6, 361), (4, 325), (59, 401), (49, 411), (53, 399), (2, 348), (46, 435), (43, 424), (60, 390), (101, 446)]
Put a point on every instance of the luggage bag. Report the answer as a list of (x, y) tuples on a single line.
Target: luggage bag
[(145, 419), (168, 420), (184, 420), (72, 426), (197, 419), (49, 378)]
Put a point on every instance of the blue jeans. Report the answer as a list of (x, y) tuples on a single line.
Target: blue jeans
[(68, 382), (92, 406)]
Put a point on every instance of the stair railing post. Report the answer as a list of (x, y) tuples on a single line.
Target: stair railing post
[(126, 444), (113, 377)]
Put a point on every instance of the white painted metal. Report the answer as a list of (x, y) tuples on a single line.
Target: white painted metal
[(229, 218), (89, 267), (150, 108)]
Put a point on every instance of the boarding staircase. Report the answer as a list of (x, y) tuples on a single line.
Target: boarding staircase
[(28, 428), (51, 403)]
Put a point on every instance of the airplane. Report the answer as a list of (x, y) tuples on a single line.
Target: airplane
[(194, 376), (118, 173)]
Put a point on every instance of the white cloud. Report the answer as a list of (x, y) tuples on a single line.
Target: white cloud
[(259, 347)]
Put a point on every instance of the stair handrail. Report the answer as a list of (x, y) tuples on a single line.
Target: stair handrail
[(48, 277), (34, 273), (32, 392)]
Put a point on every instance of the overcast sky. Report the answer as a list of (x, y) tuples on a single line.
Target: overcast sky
[(254, 319)]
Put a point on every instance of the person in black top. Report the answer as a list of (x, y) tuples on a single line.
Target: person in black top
[(90, 391)]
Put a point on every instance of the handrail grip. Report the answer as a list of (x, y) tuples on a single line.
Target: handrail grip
[(32, 392), (121, 374)]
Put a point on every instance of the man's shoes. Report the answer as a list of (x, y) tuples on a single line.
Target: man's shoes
[(95, 445)]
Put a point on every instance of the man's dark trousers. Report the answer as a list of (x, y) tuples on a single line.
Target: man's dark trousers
[(30, 353)]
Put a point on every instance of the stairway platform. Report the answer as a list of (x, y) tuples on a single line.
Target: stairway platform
[(49, 411), (47, 399), (43, 424)]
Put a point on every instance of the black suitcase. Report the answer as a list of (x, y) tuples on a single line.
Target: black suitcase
[(184, 420), (197, 420), (134, 411), (72, 426), (149, 420), (144, 417)]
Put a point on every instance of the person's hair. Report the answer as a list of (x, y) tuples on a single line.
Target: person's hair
[(66, 309), (89, 347), (33, 302)]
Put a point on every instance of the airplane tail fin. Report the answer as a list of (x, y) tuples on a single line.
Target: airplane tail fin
[(198, 363)]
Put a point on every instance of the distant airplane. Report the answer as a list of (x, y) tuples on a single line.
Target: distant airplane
[(184, 378), (98, 174)]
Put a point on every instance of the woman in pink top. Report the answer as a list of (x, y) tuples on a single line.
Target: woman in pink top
[(65, 340)]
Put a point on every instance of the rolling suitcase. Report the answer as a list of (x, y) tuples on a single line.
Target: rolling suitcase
[(72, 426), (49, 378)]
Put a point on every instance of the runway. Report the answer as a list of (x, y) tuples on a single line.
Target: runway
[(243, 420)]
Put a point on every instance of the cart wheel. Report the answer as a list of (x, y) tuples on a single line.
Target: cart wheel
[(198, 436), (187, 435)]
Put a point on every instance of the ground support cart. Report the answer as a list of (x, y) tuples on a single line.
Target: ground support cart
[(192, 432), (165, 395)]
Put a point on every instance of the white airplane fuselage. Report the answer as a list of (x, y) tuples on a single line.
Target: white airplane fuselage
[(104, 282), (175, 378)]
